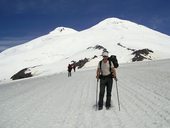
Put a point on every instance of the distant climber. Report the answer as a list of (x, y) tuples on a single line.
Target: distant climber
[(69, 70), (74, 67)]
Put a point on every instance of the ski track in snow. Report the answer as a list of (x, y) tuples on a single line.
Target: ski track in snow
[(59, 101)]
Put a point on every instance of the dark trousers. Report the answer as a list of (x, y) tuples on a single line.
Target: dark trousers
[(69, 74), (105, 82)]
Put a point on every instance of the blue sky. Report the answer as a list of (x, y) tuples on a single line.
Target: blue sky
[(24, 20)]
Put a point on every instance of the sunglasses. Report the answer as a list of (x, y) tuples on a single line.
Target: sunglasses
[(105, 56)]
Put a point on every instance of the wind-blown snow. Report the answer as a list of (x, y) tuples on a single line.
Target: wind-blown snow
[(58, 101), (52, 53)]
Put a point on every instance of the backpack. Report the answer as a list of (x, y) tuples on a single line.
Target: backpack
[(112, 59)]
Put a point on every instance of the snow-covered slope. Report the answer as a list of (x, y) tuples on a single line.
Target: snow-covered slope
[(59, 101), (51, 53)]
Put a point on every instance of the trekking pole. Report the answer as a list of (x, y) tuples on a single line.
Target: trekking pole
[(97, 94), (117, 95)]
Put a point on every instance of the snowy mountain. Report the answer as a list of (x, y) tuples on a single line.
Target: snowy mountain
[(52, 53)]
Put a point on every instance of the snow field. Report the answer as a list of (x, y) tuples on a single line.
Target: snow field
[(58, 101)]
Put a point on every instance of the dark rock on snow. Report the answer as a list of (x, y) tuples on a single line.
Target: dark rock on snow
[(140, 54), (24, 73)]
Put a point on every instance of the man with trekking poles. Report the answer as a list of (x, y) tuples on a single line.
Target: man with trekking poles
[(106, 73)]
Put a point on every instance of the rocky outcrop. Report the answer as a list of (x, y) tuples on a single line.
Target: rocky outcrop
[(142, 54), (99, 47), (24, 73), (125, 47), (80, 63)]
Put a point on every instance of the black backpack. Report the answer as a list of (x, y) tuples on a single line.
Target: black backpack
[(112, 59)]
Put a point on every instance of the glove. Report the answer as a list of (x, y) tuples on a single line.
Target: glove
[(97, 77), (115, 78), (113, 75)]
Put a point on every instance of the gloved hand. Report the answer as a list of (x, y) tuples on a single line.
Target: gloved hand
[(115, 78), (97, 77)]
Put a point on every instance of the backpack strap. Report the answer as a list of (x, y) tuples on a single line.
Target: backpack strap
[(110, 66), (100, 65)]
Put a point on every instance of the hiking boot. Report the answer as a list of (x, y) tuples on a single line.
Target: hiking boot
[(107, 107), (100, 108)]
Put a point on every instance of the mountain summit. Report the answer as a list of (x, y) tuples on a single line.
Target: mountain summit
[(63, 31), (113, 22), (52, 53)]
